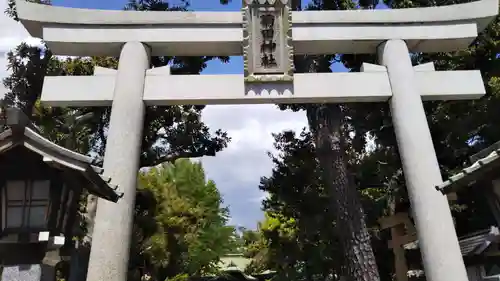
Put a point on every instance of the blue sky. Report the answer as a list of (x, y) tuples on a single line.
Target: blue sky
[(238, 168), (235, 66)]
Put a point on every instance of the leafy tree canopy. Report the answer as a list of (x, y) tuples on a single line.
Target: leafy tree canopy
[(181, 223), (170, 132)]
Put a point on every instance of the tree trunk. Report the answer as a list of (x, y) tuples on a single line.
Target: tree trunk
[(325, 122)]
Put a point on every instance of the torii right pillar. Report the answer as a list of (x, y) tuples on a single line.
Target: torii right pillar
[(438, 242)]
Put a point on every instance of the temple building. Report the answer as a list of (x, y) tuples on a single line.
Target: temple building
[(232, 268), (480, 247), (40, 191)]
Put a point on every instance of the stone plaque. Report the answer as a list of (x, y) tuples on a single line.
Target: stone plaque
[(267, 38)]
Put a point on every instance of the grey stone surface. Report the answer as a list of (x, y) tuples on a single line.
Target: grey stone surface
[(231, 89), (32, 272), (82, 32), (267, 41), (113, 225), (439, 246)]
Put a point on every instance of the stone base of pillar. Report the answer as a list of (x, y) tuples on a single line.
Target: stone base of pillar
[(27, 272)]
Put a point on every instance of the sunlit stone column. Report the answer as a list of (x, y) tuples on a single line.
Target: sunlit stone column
[(113, 226), (436, 233)]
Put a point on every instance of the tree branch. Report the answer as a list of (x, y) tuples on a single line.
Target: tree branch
[(172, 157)]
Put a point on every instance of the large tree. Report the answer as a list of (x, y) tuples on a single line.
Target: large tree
[(300, 222), (453, 124), (299, 233), (181, 223), (170, 132), (459, 129), (330, 127)]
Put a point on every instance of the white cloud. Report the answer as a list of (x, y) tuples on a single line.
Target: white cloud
[(237, 170), (252, 125), (3, 73), (9, 28), (11, 34)]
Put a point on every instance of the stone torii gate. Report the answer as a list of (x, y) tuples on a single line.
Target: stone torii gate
[(264, 35)]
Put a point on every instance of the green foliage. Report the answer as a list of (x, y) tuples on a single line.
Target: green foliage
[(299, 236), (298, 221), (459, 128), (170, 133), (11, 7), (378, 173), (179, 277), (181, 216), (28, 65), (186, 222), (330, 126)]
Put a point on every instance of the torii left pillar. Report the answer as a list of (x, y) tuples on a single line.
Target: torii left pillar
[(109, 255)]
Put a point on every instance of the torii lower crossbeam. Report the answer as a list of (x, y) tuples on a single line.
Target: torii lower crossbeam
[(161, 88)]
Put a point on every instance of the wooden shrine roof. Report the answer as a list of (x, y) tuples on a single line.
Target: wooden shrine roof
[(21, 132), (474, 243), (483, 163)]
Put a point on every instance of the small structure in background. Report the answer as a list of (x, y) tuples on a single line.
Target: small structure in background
[(40, 188), (480, 249), (402, 232), (232, 268)]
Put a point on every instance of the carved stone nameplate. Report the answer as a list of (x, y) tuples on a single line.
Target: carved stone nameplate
[(267, 36)]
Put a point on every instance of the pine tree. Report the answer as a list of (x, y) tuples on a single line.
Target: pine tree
[(182, 226)]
